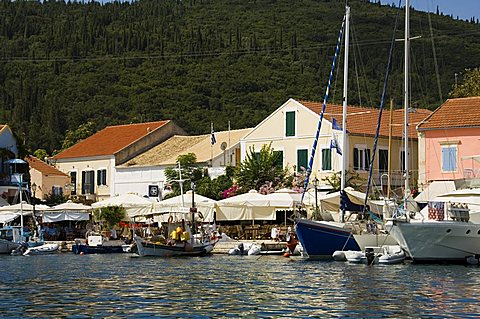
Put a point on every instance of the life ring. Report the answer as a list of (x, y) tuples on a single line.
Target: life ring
[(170, 219), (200, 215)]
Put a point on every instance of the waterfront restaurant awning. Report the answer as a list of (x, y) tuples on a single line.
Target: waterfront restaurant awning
[(134, 205), (176, 204), (66, 211), (248, 206)]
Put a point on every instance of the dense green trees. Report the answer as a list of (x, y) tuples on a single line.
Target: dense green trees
[(470, 85), (65, 63)]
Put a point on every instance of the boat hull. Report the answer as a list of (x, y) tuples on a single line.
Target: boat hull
[(320, 239), (6, 246), (85, 249), (437, 241), (181, 249)]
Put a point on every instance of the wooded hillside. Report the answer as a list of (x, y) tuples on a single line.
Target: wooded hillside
[(200, 61)]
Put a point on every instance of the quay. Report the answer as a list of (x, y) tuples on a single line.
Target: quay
[(221, 247)]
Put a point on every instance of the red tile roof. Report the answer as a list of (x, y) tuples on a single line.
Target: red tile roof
[(110, 140), (363, 120), (43, 167), (458, 113)]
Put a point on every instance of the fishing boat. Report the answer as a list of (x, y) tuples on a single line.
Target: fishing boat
[(447, 233), (181, 242), (320, 239)]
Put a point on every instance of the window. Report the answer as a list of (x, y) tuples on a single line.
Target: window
[(449, 158), (279, 161), (302, 159), (383, 160), (57, 190), (101, 177), (88, 186), (290, 123), (361, 158), (326, 159), (73, 182)]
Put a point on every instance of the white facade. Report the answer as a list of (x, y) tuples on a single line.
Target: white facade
[(137, 180), (273, 130)]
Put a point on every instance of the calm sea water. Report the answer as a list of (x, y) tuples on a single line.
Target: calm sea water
[(219, 286)]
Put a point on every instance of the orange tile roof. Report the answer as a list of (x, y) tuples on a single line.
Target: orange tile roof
[(458, 113), (43, 167), (363, 120), (110, 140)]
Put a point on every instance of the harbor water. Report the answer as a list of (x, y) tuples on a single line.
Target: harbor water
[(220, 286)]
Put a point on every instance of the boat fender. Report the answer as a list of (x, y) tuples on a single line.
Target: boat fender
[(170, 219), (200, 215)]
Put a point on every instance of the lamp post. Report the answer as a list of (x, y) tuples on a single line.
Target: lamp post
[(34, 190)]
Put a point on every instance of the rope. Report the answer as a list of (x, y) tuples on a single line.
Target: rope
[(377, 132), (327, 91)]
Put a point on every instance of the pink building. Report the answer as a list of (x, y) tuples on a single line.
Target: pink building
[(449, 140)]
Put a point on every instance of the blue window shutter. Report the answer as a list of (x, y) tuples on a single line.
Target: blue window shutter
[(449, 159)]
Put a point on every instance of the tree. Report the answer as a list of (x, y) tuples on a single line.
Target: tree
[(111, 215), (41, 154), (470, 85), (73, 136), (259, 169), (352, 179), (189, 170)]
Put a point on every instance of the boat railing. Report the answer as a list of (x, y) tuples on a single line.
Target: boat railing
[(459, 212)]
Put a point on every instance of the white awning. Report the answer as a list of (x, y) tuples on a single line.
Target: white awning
[(52, 217)]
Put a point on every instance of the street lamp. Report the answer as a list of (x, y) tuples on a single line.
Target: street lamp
[(34, 189)]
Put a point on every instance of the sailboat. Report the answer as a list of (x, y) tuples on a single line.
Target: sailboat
[(448, 235), (320, 239)]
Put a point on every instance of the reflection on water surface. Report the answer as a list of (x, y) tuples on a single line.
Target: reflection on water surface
[(117, 286)]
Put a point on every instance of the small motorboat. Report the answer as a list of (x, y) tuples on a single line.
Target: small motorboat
[(385, 255), (42, 249), (246, 249), (97, 244), (391, 254)]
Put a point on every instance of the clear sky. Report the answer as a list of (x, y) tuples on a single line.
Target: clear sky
[(464, 9)]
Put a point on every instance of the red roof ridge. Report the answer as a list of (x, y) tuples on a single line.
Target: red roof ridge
[(42, 167), (111, 139)]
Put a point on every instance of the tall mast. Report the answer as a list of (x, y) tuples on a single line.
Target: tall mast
[(344, 112), (406, 93)]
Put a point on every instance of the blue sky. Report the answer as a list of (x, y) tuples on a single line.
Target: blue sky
[(464, 9)]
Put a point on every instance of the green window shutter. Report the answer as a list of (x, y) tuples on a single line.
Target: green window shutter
[(290, 124), (383, 160), (279, 161), (302, 159), (356, 164), (326, 159)]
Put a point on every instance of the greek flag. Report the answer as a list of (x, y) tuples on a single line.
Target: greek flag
[(335, 124), (212, 137), (334, 144)]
